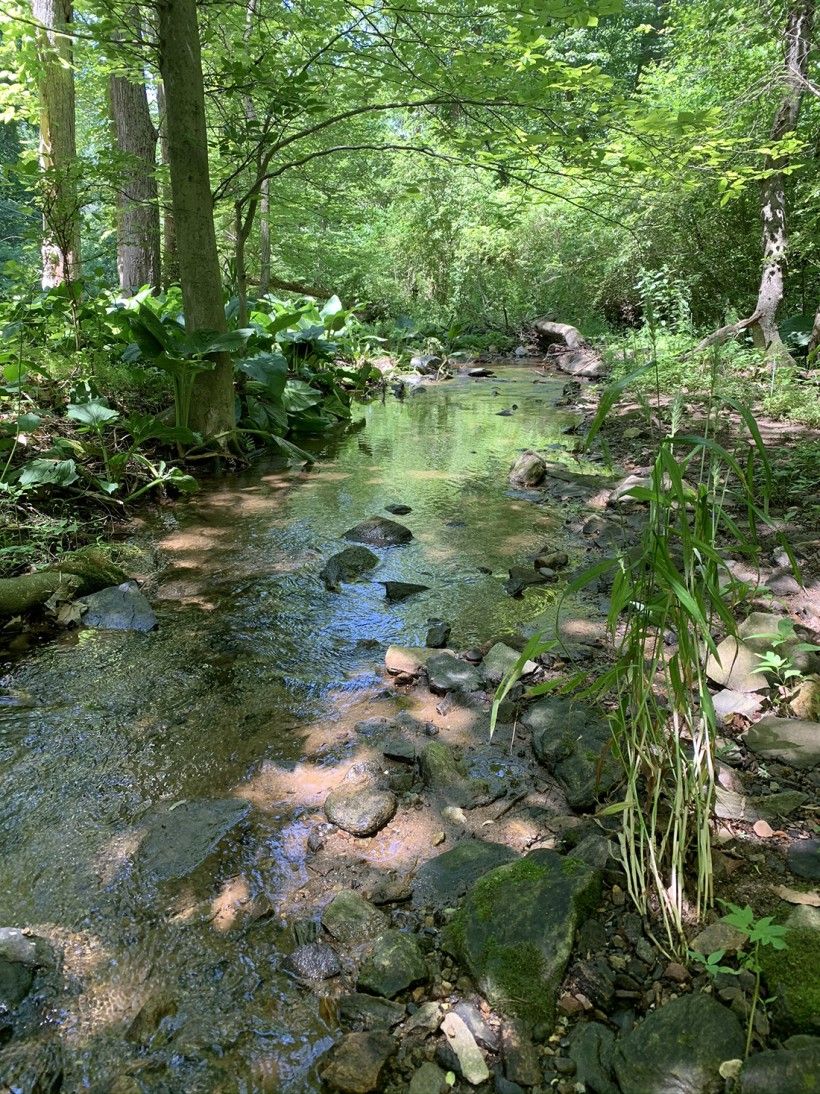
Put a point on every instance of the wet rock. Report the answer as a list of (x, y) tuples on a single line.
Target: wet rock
[(19, 959), (515, 929), (447, 673), (364, 1012), (719, 936), (373, 728), (429, 1079), (505, 1086), (347, 565), (782, 1071), (395, 963), (796, 1007), (441, 881), (793, 741), (803, 858), (591, 1048), (428, 1017), (554, 560), (145, 1023), (351, 918), (398, 510), (522, 578), (406, 660), (32, 1067), (118, 608), (471, 1063), (498, 661), (679, 1047), (359, 806), (520, 1057), (379, 532), (400, 749), (444, 775), (477, 373), (575, 744), (313, 961), (356, 1063), (180, 838), (395, 591), (736, 667), (528, 470), (438, 634)]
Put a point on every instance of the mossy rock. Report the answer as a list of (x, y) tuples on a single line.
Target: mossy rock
[(515, 930), (796, 1008)]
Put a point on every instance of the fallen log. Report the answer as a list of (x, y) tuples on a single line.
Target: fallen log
[(568, 348), (75, 574)]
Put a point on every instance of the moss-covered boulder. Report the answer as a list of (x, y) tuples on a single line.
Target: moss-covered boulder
[(515, 929), (796, 1008)]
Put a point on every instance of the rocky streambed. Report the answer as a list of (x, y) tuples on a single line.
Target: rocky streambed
[(269, 844)]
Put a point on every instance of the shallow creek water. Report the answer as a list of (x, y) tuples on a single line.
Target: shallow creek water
[(248, 689)]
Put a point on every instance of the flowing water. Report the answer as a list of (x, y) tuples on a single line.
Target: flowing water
[(243, 692)]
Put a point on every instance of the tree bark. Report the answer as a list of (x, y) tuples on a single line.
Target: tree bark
[(138, 237), (170, 262), (58, 145), (264, 238), (814, 340), (773, 187), (212, 405)]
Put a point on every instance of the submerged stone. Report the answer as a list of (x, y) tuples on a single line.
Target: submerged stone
[(347, 565), (313, 961), (181, 838), (515, 929), (444, 775), (379, 532), (438, 634), (522, 578), (679, 1047), (398, 510), (395, 591)]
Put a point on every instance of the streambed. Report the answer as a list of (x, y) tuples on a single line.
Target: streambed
[(244, 699)]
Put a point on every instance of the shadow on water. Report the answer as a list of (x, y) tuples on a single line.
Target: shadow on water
[(248, 690)]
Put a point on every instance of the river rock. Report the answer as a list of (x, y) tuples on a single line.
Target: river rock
[(347, 565), (803, 858), (447, 673), (442, 881), (793, 741), (783, 1071), (679, 1047), (379, 532), (528, 470), (429, 1079), (444, 775), (480, 371), (118, 608), (360, 807), (736, 667), (351, 918), (471, 1063), (395, 963), (515, 929), (426, 363), (552, 560), (32, 1066), (313, 961), (363, 1012), (575, 744), (407, 660), (796, 1007), (356, 1063), (498, 661), (719, 936), (395, 591), (438, 634), (180, 838), (591, 1047), (16, 978), (763, 631), (581, 362), (398, 510), (522, 578)]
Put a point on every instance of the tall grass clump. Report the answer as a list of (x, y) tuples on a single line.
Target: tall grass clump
[(669, 596)]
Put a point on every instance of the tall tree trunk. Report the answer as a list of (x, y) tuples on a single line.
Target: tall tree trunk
[(773, 196), (212, 406), (138, 241), (814, 340), (264, 238), (58, 146), (170, 261)]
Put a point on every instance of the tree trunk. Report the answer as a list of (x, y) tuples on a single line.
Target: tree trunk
[(58, 147), (264, 238), (773, 196), (814, 341), (212, 405), (138, 240), (170, 262)]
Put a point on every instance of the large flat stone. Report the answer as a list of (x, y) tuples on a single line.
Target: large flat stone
[(793, 741), (379, 532), (180, 839), (443, 880), (736, 667), (447, 673), (118, 608)]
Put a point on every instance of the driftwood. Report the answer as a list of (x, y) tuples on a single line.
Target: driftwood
[(569, 349), (75, 574)]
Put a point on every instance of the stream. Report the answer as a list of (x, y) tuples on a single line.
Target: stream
[(170, 972)]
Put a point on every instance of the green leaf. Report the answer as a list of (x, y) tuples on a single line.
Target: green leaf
[(268, 369), (56, 472), (298, 396), (93, 413)]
